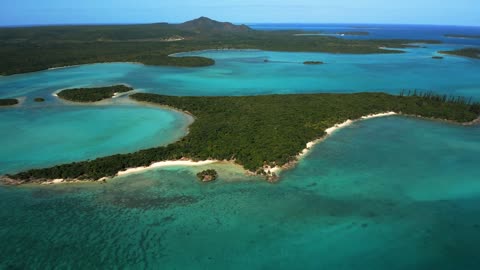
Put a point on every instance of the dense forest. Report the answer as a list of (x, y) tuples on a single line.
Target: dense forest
[(8, 102), (92, 94), (466, 52), (37, 48), (258, 130)]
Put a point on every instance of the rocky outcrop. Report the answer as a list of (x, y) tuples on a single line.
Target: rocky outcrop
[(207, 175)]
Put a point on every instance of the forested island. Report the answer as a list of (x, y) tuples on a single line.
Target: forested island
[(8, 102), (466, 52), (92, 94), (462, 36), (313, 63), (255, 131), (28, 49)]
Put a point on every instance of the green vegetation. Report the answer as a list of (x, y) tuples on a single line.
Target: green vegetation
[(92, 94), (30, 49), (258, 130), (466, 52), (207, 175), (39, 99), (462, 36), (8, 102), (437, 57), (313, 63)]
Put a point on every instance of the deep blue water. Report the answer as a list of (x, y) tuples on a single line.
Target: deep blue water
[(386, 193), (385, 31)]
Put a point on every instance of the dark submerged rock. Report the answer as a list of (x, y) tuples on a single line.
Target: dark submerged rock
[(207, 175)]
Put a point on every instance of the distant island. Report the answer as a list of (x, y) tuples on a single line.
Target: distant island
[(313, 63), (39, 99), (437, 57), (466, 52), (92, 94), (8, 102), (29, 49), (257, 132), (462, 36)]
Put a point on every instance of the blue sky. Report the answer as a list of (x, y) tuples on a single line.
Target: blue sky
[(445, 12)]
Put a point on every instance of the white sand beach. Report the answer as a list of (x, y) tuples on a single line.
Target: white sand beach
[(167, 164), (328, 132), (276, 169)]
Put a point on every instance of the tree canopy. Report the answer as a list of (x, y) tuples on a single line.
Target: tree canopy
[(258, 130)]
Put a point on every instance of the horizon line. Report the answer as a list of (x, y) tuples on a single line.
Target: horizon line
[(237, 23)]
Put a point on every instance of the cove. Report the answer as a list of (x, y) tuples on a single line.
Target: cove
[(47, 135)]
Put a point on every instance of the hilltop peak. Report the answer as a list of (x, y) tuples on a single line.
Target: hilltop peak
[(204, 24), (204, 18)]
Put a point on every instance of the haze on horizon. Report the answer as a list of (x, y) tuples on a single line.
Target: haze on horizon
[(433, 12)]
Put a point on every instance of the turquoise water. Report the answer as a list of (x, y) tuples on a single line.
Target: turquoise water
[(396, 192), (389, 193), (246, 73), (45, 135)]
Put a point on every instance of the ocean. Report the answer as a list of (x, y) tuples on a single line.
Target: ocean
[(394, 192)]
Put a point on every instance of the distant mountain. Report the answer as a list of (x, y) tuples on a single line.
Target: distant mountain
[(204, 24)]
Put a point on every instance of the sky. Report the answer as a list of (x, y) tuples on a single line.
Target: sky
[(434, 12)]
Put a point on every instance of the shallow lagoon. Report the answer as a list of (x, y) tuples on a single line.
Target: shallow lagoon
[(44, 135), (395, 192), (35, 134), (246, 73)]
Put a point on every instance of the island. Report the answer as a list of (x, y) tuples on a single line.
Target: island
[(466, 52), (256, 132), (92, 94), (8, 102), (39, 99), (437, 57), (207, 175), (313, 63), (462, 36), (31, 49)]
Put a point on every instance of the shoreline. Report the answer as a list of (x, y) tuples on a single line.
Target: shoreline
[(160, 164), (106, 101), (212, 50), (328, 132), (271, 173), (62, 67), (166, 163), (79, 65)]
